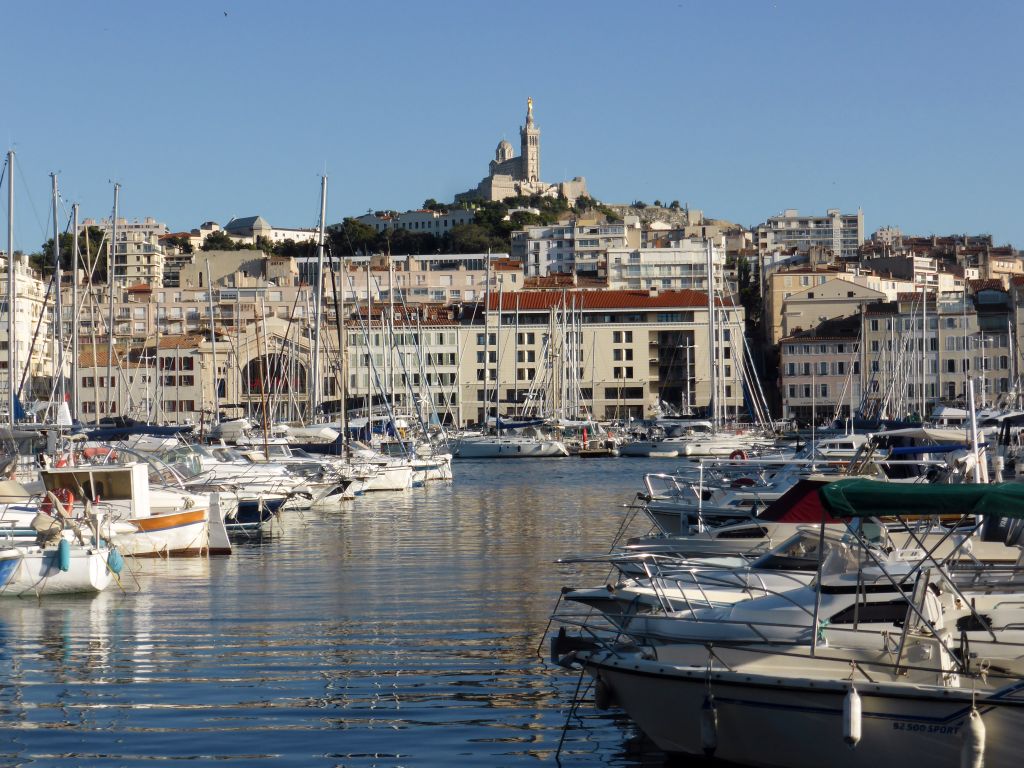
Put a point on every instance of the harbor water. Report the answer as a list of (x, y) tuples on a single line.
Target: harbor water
[(401, 629)]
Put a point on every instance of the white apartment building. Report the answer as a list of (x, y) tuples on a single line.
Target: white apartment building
[(678, 266), (580, 246), (34, 350), (840, 233), (138, 254), (434, 222), (424, 278)]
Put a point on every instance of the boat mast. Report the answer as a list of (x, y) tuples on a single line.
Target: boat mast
[(392, 339), (712, 337), (58, 310), (111, 248), (318, 301), (213, 345), (12, 336), (497, 364), (75, 393), (487, 336)]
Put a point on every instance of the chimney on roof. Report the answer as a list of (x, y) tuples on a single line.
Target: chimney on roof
[(652, 291)]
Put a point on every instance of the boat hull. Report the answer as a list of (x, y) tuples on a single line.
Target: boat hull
[(174, 533), (500, 448), (782, 722), (39, 573)]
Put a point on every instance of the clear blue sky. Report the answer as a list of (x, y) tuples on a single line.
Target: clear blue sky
[(911, 110)]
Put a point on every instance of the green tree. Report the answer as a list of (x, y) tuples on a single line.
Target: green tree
[(182, 242), (352, 237), (89, 240), (476, 238), (219, 241), (430, 204)]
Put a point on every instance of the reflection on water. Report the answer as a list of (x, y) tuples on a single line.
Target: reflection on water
[(398, 629)]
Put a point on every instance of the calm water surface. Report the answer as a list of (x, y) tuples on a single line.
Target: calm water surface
[(398, 630)]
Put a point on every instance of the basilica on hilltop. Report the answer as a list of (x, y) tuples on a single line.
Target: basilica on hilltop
[(509, 175)]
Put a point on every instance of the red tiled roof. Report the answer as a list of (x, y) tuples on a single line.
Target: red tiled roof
[(528, 301), (139, 288), (992, 284), (915, 296)]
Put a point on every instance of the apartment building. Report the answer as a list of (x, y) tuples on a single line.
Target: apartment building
[(138, 252), (610, 354), (423, 220), (672, 265), (34, 358), (898, 359), (575, 245), (836, 232)]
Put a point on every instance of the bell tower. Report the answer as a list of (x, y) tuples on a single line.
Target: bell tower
[(529, 136)]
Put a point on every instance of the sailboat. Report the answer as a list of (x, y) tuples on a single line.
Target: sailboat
[(509, 440)]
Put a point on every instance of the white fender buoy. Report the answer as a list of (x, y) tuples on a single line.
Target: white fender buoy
[(709, 725), (972, 755), (602, 694), (851, 718)]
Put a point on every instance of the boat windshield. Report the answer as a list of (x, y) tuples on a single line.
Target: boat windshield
[(797, 553)]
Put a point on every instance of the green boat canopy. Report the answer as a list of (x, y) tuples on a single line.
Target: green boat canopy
[(869, 498)]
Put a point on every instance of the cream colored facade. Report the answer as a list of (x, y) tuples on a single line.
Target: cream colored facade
[(138, 254), (836, 297), (33, 325), (679, 266), (610, 354)]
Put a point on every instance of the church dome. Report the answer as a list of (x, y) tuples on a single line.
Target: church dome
[(503, 152)]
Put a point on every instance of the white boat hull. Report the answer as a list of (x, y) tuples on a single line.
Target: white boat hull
[(39, 573), (390, 478), (175, 533), (510, 448)]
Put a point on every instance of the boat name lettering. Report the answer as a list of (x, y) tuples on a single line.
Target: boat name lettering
[(905, 725)]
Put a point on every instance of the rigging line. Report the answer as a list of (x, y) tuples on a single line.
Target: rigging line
[(31, 202)]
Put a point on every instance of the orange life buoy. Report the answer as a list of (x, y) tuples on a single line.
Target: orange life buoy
[(738, 454), (66, 499)]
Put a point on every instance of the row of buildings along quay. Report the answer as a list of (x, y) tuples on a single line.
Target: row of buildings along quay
[(577, 307)]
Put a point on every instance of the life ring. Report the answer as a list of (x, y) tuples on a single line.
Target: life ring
[(738, 454), (61, 499)]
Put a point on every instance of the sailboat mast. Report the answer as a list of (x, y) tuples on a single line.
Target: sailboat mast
[(318, 301), (487, 336), (58, 310), (213, 345), (75, 393), (12, 293), (497, 354), (111, 249), (712, 337)]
